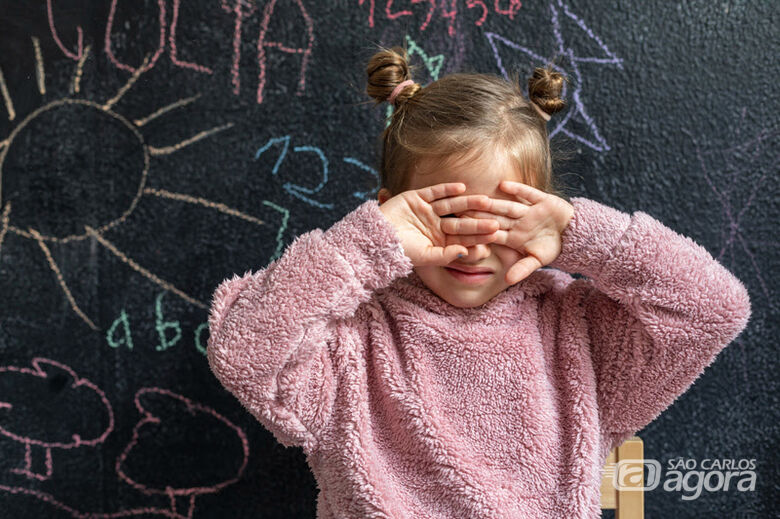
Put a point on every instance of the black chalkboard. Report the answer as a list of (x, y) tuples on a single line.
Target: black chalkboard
[(151, 148)]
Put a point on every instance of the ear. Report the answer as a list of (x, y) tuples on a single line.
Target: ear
[(384, 195)]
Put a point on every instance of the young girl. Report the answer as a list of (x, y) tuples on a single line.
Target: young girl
[(420, 354)]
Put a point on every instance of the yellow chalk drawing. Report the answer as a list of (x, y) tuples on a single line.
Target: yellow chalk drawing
[(75, 84), (118, 212), (40, 75)]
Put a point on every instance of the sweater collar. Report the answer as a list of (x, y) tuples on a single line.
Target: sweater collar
[(413, 290)]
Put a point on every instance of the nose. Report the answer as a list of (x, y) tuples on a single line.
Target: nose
[(476, 253)]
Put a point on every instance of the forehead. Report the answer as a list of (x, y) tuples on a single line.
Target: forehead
[(481, 174)]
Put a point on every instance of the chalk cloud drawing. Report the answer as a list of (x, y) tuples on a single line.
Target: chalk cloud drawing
[(577, 105), (77, 189), (45, 421), (166, 435), (171, 427)]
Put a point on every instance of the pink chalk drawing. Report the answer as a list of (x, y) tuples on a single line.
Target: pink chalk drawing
[(165, 438), (161, 44), (43, 407), (263, 42), (240, 10), (449, 10), (79, 46)]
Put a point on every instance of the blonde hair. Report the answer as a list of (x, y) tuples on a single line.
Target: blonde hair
[(460, 116)]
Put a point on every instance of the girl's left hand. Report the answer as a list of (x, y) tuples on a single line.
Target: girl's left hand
[(532, 225)]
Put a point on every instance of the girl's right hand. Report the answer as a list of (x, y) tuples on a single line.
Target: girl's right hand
[(416, 216)]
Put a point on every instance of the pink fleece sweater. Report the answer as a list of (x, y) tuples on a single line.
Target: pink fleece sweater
[(409, 407)]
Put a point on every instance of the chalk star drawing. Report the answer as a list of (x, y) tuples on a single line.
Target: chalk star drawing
[(432, 64), (741, 160), (35, 181), (596, 141)]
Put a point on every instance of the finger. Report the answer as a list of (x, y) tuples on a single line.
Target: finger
[(522, 269), (514, 238), (431, 193), (525, 191), (469, 225), (504, 222), (457, 204), (508, 208), (470, 239), (432, 255)]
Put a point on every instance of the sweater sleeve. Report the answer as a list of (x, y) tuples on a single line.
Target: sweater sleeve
[(659, 308), (271, 332)]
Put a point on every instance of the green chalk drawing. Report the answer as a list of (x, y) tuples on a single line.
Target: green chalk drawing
[(198, 331), (432, 63), (127, 339), (282, 227), (162, 326)]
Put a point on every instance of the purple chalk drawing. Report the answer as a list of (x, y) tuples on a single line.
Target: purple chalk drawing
[(43, 407), (595, 141), (740, 158), (158, 459)]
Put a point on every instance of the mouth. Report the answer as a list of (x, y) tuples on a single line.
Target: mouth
[(476, 277)]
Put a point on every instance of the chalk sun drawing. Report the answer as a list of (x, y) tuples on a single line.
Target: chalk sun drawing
[(71, 191)]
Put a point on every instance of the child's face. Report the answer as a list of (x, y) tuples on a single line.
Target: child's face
[(481, 176)]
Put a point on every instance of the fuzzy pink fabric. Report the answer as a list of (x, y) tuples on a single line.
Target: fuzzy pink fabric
[(409, 407)]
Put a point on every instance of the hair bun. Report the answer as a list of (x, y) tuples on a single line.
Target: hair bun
[(544, 89), (387, 70)]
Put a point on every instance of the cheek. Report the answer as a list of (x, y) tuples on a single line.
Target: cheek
[(507, 255)]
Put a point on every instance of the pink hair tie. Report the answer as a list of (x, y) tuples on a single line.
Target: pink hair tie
[(544, 114), (397, 90)]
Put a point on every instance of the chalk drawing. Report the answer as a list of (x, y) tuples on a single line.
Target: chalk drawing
[(497, 42), (97, 111), (75, 83), (49, 381), (167, 420), (748, 185), (147, 63), (120, 332), (9, 104), (40, 73), (79, 46), (126, 337), (199, 342), (161, 326), (432, 64), (365, 195), (296, 190), (263, 42), (449, 11)]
